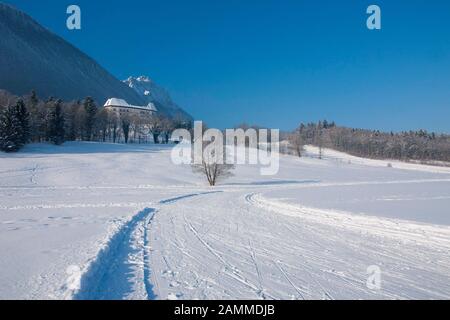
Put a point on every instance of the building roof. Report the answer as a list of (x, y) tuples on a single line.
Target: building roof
[(115, 102)]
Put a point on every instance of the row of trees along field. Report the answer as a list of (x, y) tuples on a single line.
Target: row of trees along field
[(421, 146), (30, 119)]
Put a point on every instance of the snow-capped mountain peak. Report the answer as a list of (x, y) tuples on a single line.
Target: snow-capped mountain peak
[(143, 79), (152, 92)]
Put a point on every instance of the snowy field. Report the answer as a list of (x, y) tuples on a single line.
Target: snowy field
[(104, 221)]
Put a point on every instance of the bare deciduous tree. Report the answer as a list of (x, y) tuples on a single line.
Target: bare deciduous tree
[(296, 142), (213, 165), (214, 171), (126, 123), (155, 127), (420, 145), (167, 126)]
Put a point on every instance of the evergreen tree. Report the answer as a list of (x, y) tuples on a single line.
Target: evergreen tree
[(73, 123), (23, 118), (126, 128), (34, 98), (36, 119), (11, 135), (91, 110), (56, 132)]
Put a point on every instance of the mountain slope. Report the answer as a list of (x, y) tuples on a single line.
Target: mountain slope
[(32, 57), (152, 92)]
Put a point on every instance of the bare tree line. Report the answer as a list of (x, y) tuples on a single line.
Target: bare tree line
[(419, 145)]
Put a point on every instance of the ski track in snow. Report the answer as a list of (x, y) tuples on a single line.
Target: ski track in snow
[(118, 270), (228, 187), (78, 205), (237, 242), (121, 268), (309, 249), (262, 249), (307, 246)]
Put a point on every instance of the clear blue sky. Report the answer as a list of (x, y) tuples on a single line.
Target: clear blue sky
[(275, 63)]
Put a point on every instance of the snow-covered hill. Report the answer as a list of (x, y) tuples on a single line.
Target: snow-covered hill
[(160, 97), (90, 221), (330, 154)]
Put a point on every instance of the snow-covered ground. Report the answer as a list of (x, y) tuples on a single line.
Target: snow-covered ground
[(105, 221)]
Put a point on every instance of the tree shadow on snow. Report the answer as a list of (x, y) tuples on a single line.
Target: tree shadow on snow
[(271, 182), (33, 150)]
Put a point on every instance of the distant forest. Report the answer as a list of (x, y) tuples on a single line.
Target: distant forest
[(420, 146), (29, 119)]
